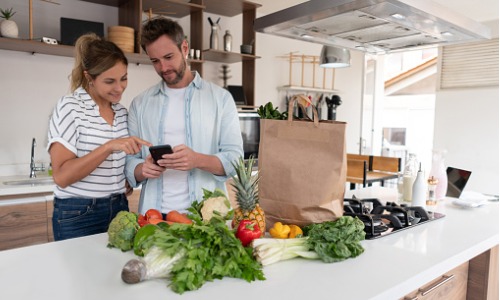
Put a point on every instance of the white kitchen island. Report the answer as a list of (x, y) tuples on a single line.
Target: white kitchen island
[(390, 267)]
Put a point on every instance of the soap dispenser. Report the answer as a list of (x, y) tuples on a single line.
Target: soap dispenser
[(419, 189)]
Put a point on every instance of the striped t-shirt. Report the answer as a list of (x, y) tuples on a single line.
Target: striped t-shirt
[(78, 126)]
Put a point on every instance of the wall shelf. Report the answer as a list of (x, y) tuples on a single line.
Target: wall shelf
[(226, 57), (306, 89), (57, 50)]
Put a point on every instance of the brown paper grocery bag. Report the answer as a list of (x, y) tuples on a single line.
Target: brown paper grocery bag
[(302, 166)]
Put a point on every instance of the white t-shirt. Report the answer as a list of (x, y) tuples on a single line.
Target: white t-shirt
[(175, 183)]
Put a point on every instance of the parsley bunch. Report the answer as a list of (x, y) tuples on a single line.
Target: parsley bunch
[(211, 251)]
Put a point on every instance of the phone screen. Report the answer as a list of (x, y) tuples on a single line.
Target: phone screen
[(158, 151)]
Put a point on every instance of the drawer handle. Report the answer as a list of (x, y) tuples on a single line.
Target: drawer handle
[(443, 280), (408, 298)]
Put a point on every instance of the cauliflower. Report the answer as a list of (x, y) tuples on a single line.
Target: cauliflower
[(215, 201), (122, 230), (219, 204)]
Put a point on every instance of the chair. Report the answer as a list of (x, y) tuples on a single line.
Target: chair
[(386, 164), (384, 168), (356, 172), (362, 157)]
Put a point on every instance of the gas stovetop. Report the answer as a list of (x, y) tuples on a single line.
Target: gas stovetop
[(381, 220)]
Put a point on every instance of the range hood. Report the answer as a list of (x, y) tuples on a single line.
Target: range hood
[(375, 26)]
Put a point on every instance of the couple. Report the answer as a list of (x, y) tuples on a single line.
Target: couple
[(97, 148)]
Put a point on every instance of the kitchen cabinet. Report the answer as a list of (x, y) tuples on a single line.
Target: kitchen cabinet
[(131, 15), (23, 221), (451, 285), (133, 200), (26, 220), (474, 279)]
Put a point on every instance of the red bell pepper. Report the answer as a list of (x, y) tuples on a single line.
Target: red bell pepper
[(247, 231)]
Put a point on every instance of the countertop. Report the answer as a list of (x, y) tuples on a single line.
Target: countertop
[(390, 267), (17, 190)]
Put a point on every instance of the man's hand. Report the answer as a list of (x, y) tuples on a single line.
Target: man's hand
[(183, 159), (150, 169)]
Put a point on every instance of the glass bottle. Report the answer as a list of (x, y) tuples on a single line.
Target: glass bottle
[(409, 175), (438, 171), (228, 41), (419, 189), (214, 38)]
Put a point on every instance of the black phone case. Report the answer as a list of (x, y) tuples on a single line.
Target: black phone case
[(159, 150)]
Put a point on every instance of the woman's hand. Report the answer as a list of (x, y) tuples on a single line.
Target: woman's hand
[(129, 145)]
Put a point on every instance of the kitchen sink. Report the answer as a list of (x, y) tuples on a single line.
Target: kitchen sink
[(31, 181)]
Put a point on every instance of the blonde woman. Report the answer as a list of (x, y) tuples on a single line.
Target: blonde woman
[(89, 140)]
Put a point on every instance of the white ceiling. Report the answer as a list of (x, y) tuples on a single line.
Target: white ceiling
[(481, 11)]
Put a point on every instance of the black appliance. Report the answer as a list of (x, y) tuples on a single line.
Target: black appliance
[(381, 220), (72, 29), (250, 132)]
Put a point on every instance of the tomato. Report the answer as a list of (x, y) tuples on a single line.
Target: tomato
[(153, 214), (142, 220)]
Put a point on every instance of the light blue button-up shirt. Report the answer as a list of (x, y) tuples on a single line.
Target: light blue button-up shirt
[(212, 128)]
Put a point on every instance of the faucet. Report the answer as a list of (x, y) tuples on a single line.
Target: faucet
[(33, 167)]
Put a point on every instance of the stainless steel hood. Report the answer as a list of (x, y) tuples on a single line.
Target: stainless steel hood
[(376, 26)]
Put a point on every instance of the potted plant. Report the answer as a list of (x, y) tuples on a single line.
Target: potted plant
[(8, 28)]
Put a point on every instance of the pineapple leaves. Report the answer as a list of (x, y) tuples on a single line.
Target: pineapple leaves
[(246, 184)]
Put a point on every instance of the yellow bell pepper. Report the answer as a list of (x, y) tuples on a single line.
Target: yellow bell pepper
[(279, 231), (295, 231)]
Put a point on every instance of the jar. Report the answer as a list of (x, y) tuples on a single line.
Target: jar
[(438, 171), (409, 175)]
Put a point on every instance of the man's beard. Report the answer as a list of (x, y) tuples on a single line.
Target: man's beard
[(178, 72)]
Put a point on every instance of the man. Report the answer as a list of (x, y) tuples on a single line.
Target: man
[(197, 118)]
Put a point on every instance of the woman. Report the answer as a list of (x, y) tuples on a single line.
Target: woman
[(88, 142)]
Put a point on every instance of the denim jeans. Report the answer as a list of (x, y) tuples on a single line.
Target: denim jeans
[(76, 217)]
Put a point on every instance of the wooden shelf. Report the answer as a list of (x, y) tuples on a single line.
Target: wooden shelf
[(226, 57), (229, 8), (175, 9), (57, 50), (306, 89)]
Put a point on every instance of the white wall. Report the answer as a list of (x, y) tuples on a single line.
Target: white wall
[(466, 124)]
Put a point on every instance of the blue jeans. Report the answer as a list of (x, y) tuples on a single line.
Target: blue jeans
[(76, 217)]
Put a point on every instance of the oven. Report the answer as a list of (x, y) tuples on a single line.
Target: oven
[(250, 132)]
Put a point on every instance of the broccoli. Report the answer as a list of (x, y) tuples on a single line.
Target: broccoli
[(122, 230)]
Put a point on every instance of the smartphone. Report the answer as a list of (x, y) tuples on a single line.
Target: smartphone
[(158, 151)]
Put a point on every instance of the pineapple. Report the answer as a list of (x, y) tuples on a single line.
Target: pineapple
[(247, 195)]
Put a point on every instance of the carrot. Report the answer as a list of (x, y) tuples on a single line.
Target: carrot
[(156, 221), (177, 217)]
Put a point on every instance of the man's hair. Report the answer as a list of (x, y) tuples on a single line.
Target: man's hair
[(159, 26)]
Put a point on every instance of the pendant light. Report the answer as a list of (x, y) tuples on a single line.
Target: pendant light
[(334, 57)]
